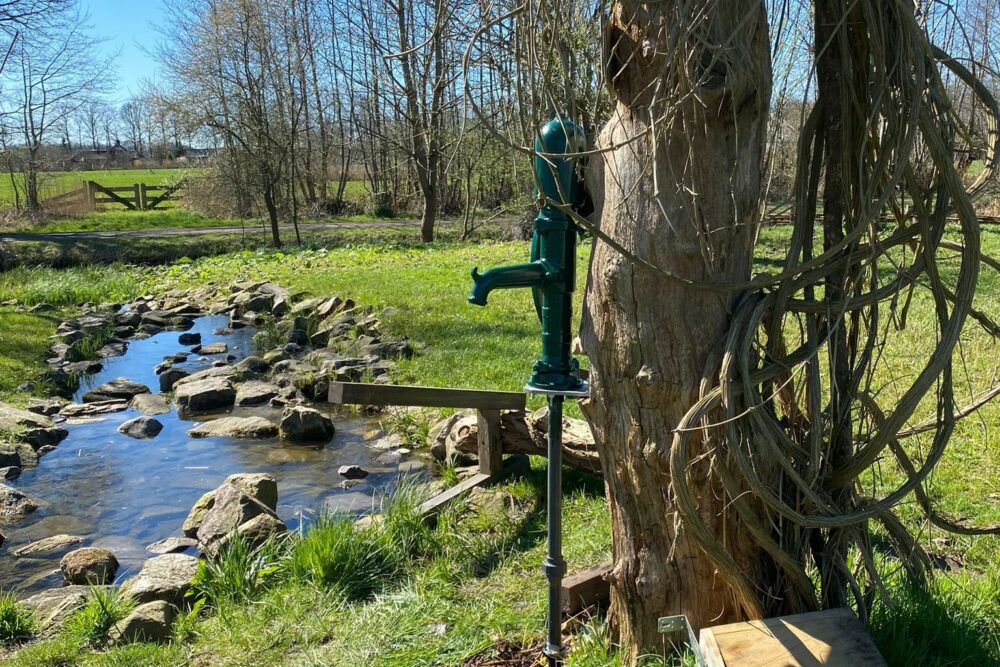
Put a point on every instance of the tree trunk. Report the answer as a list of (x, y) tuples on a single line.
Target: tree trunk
[(651, 341), (429, 213), (272, 215)]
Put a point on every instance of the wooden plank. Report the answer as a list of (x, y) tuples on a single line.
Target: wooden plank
[(490, 442), (586, 588), (832, 638), (432, 507), (357, 393)]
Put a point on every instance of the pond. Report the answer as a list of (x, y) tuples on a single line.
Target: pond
[(124, 494)]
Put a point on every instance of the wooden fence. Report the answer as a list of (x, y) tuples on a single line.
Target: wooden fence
[(135, 197)]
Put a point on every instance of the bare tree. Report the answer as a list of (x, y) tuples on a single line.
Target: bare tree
[(54, 72)]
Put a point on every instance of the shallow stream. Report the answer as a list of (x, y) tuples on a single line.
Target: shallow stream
[(124, 494)]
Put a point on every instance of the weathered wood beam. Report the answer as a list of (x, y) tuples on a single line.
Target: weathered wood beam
[(586, 588), (357, 393)]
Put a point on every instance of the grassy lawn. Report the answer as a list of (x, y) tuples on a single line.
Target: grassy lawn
[(52, 183), (452, 601)]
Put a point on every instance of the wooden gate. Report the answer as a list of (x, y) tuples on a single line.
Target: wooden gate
[(135, 197)]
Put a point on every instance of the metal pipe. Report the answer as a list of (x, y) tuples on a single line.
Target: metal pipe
[(554, 564)]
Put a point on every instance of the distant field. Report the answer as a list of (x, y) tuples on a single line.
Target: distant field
[(54, 183)]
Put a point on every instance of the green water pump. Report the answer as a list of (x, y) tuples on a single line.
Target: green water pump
[(551, 275)]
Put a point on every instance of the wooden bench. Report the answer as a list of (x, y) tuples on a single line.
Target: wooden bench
[(487, 404)]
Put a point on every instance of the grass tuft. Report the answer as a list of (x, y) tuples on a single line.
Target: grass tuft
[(336, 555), (89, 625), (241, 572), (16, 622)]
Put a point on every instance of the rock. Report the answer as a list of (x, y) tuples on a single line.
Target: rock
[(89, 565), (171, 545), (13, 419), (41, 308), (167, 577), (493, 503), (19, 455), (255, 393), (197, 514), (350, 483), (150, 622), (274, 356), (10, 472), (48, 407), (44, 437), (306, 425), (352, 472), (52, 606), (257, 530), (151, 404), (258, 485), (47, 545), (231, 509), (169, 377), (213, 348), (42, 451), (87, 367), (189, 339), (253, 364), (141, 428), (241, 428), (92, 409), (117, 389), (15, 505), (205, 395), (388, 443), (390, 458), (113, 349)]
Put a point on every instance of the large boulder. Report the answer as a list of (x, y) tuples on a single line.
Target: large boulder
[(304, 424), (214, 393), (119, 388), (13, 419), (241, 428), (141, 428), (167, 577), (89, 565), (150, 622), (231, 509), (15, 504)]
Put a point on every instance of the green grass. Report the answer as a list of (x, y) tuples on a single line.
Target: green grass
[(89, 625), (479, 577), (54, 183), (16, 623)]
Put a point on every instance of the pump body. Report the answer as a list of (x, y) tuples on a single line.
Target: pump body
[(551, 273)]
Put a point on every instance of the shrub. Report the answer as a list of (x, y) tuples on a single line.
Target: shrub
[(16, 622), (104, 607)]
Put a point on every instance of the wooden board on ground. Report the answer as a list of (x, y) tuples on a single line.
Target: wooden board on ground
[(358, 393), (585, 588), (431, 507), (833, 638)]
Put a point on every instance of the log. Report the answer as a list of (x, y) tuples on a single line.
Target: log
[(522, 433)]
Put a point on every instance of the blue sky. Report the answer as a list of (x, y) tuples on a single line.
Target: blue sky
[(128, 27)]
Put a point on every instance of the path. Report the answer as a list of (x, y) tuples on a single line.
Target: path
[(198, 231)]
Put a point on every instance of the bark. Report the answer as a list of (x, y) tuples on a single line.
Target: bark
[(651, 341)]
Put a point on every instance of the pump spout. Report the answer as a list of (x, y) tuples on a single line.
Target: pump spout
[(533, 274)]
